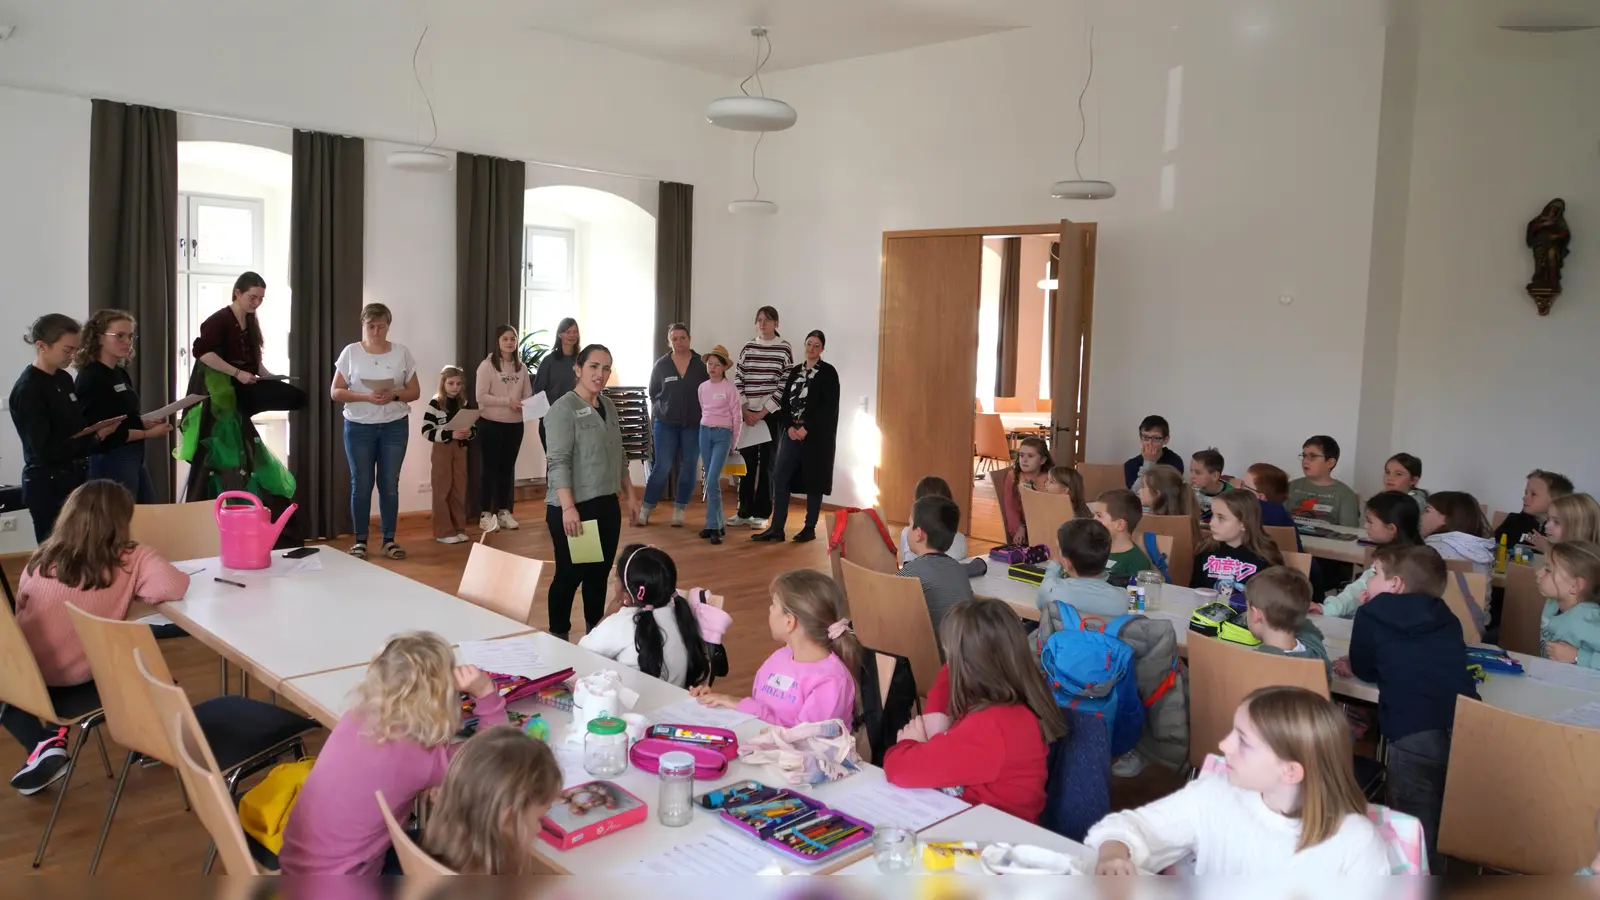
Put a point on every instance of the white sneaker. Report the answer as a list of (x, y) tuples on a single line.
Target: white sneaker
[(1128, 765), (461, 537), (644, 515), (507, 522), (677, 517), (736, 521), (759, 524), (487, 522), (452, 539)]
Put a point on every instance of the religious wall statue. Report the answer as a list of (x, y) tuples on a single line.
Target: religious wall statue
[(1548, 237)]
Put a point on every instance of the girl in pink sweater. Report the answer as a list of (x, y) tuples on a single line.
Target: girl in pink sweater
[(87, 561), (812, 677), (721, 414), (395, 738)]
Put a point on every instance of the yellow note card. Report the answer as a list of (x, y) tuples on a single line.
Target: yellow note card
[(585, 548)]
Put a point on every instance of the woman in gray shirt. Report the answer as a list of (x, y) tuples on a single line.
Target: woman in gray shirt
[(587, 482)]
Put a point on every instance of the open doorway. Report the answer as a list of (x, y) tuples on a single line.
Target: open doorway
[(998, 315)]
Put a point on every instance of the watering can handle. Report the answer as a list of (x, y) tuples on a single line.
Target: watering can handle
[(233, 495)]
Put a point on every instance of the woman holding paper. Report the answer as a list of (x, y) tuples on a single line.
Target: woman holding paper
[(56, 441), (376, 380), (106, 391), (503, 388), (807, 423), (230, 342), (587, 487)]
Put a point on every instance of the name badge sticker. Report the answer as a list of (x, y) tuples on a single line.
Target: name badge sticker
[(586, 411), (780, 682), (119, 388)]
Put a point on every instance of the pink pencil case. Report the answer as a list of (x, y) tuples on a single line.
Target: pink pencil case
[(712, 748)]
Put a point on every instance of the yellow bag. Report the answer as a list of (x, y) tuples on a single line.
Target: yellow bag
[(734, 465), (264, 809)]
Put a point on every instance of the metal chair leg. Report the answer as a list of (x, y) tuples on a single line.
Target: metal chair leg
[(116, 795), (244, 683), (66, 780), (181, 791), (224, 677), (211, 859), (100, 738)]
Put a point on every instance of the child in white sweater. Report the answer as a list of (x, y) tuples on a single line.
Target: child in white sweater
[(657, 631), (1274, 813)]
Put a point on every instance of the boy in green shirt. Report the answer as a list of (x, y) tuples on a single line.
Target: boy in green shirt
[(1205, 474), (1119, 511), (1279, 605), (1319, 495)]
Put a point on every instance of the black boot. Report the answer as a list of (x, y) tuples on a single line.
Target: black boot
[(768, 536), (808, 533)]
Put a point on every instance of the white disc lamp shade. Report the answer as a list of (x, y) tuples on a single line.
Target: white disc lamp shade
[(421, 161), (1083, 190), (751, 114), (753, 208)]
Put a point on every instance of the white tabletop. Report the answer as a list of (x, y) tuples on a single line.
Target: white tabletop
[(299, 624), (996, 584), (985, 825), (1025, 420)]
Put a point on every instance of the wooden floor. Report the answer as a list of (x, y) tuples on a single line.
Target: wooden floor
[(152, 834)]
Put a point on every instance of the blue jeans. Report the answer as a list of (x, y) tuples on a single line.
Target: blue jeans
[(125, 465), (379, 448), (673, 442), (714, 446)]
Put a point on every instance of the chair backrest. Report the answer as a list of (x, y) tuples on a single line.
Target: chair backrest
[(1498, 519), (1221, 675), (1099, 478), (1519, 615), (1300, 562), (21, 683), (1007, 404), (499, 581), (1042, 404), (864, 544), (977, 405), (177, 530), (171, 702), (1284, 536), (1478, 584), (1180, 562), (414, 862), (1460, 565), (890, 615), (131, 717), (989, 437), (1520, 793), (1045, 514)]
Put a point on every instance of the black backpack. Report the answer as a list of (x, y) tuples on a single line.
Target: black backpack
[(884, 713)]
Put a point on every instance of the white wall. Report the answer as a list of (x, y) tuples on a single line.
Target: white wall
[(1487, 389), (44, 230)]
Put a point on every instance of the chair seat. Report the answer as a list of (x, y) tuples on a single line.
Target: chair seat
[(266, 859), (75, 702), (238, 728)]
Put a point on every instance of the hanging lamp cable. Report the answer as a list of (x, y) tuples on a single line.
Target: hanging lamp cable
[(760, 61), (1083, 122), (425, 99)]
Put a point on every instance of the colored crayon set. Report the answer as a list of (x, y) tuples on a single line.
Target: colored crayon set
[(791, 823)]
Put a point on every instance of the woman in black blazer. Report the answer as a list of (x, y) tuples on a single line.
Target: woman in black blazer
[(808, 430)]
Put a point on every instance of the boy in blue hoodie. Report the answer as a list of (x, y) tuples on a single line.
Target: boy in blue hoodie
[(1408, 642), (1078, 578)]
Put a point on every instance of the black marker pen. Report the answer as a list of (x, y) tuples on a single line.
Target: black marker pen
[(226, 581)]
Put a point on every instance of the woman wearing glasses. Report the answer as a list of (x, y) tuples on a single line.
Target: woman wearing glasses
[(105, 391)]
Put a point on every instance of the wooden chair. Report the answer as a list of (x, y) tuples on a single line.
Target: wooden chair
[(1099, 478), (977, 405), (203, 785), (890, 615), (414, 861), (177, 531), (1007, 404), (1284, 536), (865, 547), (1498, 519), (989, 445), (1180, 561), (1520, 793), (23, 691), (1043, 405), (1460, 565), (1221, 675), (1045, 514), (1300, 562), (501, 582), (1163, 546), (1521, 610), (257, 732), (1478, 584)]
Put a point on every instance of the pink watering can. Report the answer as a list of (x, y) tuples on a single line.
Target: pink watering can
[(248, 532)]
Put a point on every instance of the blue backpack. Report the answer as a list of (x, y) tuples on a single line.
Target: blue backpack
[(1090, 670), (1157, 558)]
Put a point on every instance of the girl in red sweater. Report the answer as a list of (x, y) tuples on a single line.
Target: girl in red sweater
[(990, 718)]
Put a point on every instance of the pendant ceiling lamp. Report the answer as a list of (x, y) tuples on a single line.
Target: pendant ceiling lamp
[(427, 159), (752, 113), (1080, 188)]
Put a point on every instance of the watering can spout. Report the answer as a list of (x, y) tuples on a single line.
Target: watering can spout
[(277, 527)]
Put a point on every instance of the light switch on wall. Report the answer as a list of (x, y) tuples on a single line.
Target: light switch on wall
[(863, 402)]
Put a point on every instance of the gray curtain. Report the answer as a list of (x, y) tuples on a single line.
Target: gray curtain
[(326, 223), (674, 258), (133, 253), (1005, 370), (489, 206)]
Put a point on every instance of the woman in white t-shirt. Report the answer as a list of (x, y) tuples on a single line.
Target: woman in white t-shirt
[(375, 380)]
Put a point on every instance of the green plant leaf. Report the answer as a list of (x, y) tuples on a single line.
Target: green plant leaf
[(531, 351)]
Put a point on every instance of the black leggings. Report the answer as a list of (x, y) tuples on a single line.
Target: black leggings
[(607, 513), (70, 702), (755, 485), (46, 491), (497, 484)]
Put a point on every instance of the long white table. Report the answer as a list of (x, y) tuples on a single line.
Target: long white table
[(290, 625), (984, 825)]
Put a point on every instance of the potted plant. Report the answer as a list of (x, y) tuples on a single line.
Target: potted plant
[(531, 352)]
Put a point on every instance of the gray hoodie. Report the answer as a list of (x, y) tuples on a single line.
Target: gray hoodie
[(1089, 596), (1310, 637), (1460, 545)]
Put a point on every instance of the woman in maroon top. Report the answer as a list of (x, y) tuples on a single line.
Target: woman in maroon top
[(230, 342)]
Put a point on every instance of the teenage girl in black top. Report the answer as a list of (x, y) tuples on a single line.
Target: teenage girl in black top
[(44, 409), (105, 390)]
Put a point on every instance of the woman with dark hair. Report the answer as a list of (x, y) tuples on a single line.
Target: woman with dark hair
[(105, 391), (807, 422), (759, 379), (555, 376), (230, 342), (503, 386), (588, 482), (675, 413), (56, 442)]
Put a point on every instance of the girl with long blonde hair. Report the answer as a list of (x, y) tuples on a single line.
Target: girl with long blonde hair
[(394, 738), (1288, 803), (1575, 517), (495, 794)]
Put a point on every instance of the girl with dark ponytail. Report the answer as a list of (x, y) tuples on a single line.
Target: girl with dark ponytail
[(657, 630)]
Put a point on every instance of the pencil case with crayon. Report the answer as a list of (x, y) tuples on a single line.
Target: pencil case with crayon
[(792, 824)]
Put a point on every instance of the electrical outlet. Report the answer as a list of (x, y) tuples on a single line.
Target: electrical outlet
[(9, 523), (425, 487)]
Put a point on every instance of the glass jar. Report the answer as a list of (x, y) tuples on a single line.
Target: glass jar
[(675, 806), (605, 747), (1150, 581)]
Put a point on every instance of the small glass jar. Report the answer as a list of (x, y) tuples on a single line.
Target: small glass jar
[(675, 806), (1150, 581), (605, 747)]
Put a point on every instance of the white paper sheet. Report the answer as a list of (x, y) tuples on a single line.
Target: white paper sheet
[(193, 567), (281, 567), (690, 712), (880, 803), (100, 424), (379, 384), (570, 758), (174, 407), (1563, 674), (511, 656), (716, 854), (462, 420), (751, 435), (1585, 716), (535, 407)]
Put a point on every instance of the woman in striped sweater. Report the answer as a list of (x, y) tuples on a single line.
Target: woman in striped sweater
[(759, 378)]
